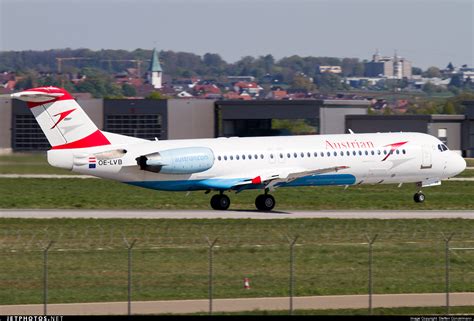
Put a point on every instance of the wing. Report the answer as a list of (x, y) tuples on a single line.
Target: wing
[(285, 176)]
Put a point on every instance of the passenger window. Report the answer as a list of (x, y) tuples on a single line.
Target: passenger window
[(302, 154), (271, 156), (329, 154), (231, 157), (404, 151), (281, 155), (288, 155), (295, 155), (372, 152), (385, 152), (256, 156), (250, 156), (354, 152), (309, 154), (225, 157), (219, 158), (237, 157), (322, 154), (335, 153), (379, 152), (366, 153), (243, 156), (360, 153), (261, 156), (342, 153), (348, 153), (398, 152)]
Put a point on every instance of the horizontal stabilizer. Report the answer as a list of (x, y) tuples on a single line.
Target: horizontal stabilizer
[(36, 96)]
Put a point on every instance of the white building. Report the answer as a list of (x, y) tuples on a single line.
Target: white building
[(155, 73)]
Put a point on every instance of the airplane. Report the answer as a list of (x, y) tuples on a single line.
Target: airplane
[(237, 164)]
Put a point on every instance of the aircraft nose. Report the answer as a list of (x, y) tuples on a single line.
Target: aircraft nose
[(456, 165)]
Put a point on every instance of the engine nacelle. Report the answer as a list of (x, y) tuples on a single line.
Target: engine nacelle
[(188, 160)]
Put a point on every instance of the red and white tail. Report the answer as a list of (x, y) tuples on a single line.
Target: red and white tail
[(62, 120)]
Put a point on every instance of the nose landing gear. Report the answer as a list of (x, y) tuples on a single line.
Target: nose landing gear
[(419, 197)]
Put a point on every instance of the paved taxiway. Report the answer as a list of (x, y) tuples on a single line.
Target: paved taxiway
[(245, 304), (238, 214)]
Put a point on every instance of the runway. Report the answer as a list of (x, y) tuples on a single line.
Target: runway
[(242, 214), (244, 304)]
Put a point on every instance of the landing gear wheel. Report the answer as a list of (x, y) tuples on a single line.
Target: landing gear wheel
[(265, 202), (220, 202), (419, 197)]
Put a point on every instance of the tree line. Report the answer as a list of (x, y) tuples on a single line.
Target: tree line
[(175, 64)]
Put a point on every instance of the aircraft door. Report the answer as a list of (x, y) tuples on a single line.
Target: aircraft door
[(426, 161)]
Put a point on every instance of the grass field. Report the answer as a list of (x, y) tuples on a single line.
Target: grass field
[(28, 164), (88, 261), (377, 311)]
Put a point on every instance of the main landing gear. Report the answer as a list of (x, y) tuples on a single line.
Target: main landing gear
[(264, 202), (419, 197), (220, 202)]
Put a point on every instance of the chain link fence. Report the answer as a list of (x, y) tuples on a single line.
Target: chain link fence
[(126, 263)]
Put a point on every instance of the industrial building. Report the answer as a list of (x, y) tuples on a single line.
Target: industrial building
[(205, 118), (149, 119)]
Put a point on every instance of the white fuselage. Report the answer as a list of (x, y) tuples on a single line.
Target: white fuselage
[(380, 158)]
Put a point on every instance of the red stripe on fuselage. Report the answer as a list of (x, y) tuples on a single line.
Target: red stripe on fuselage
[(94, 139)]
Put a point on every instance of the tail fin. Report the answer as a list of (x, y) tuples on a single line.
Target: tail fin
[(62, 120)]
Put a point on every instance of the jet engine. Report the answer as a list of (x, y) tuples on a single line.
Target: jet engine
[(188, 160)]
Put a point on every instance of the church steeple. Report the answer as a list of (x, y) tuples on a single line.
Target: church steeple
[(155, 72)]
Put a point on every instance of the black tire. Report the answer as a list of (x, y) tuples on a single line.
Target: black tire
[(419, 197), (265, 202), (220, 202)]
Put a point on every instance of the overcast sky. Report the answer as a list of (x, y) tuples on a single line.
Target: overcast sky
[(427, 32)]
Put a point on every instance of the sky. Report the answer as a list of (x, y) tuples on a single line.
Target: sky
[(426, 32)]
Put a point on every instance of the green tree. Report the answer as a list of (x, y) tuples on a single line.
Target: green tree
[(156, 95), (302, 82), (432, 72), (430, 88), (328, 82), (448, 108), (128, 90), (416, 71), (456, 81)]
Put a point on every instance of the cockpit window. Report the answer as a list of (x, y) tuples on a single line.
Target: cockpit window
[(442, 147)]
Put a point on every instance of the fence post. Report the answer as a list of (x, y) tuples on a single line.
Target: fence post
[(370, 242), (292, 242), (129, 248), (45, 277), (447, 239), (211, 271)]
